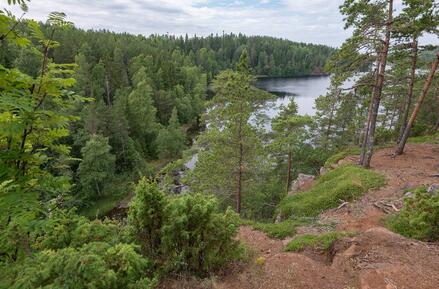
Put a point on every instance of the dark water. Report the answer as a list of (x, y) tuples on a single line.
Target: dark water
[(303, 89)]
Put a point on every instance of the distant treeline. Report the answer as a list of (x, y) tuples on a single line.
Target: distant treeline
[(268, 56)]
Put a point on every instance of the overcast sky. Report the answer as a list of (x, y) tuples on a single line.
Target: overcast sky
[(314, 21)]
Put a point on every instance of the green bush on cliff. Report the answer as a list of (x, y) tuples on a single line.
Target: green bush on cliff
[(342, 184), (419, 218)]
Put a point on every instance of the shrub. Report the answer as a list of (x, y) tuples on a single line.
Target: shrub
[(319, 242), (343, 183), (66, 228), (419, 218), (195, 237), (95, 265), (183, 233), (146, 215)]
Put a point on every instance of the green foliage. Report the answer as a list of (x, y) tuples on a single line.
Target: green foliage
[(146, 215), (94, 265), (184, 233), (170, 141), (317, 242), (195, 237), (342, 184), (419, 218), (35, 113), (96, 168), (230, 139), (279, 230), (67, 229)]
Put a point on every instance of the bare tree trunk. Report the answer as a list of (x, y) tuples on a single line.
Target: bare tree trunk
[(239, 183), (436, 126), (107, 90), (240, 164), (408, 99), (377, 89), (401, 144), (289, 171), (331, 117)]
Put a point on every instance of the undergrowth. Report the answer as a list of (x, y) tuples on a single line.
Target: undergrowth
[(432, 138), (344, 183), (319, 242), (279, 230), (419, 218)]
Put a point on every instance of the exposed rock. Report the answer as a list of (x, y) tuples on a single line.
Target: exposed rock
[(433, 189), (323, 171), (409, 195), (302, 183), (278, 219)]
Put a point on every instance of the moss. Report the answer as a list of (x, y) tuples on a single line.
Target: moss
[(343, 183), (319, 242), (341, 155), (279, 230), (432, 138)]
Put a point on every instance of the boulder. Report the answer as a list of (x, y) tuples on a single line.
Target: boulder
[(302, 183), (323, 171), (433, 189)]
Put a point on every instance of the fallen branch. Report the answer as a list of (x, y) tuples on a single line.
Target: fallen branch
[(342, 205)]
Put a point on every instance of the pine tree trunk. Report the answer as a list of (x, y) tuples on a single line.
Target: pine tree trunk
[(239, 181), (369, 115), (401, 144), (330, 120), (377, 89), (289, 171), (240, 163), (408, 99), (436, 126)]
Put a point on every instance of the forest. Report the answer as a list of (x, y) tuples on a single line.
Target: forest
[(92, 119)]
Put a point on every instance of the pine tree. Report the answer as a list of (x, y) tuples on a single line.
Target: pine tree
[(233, 145), (290, 131)]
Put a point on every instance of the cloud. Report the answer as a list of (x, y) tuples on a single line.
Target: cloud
[(315, 21)]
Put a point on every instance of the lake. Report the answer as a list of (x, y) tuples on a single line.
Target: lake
[(303, 89)]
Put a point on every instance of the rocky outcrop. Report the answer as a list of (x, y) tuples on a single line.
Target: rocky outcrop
[(302, 183), (433, 189)]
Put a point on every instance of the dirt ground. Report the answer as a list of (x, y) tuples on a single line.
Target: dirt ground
[(375, 258)]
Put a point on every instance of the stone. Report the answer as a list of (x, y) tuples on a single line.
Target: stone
[(323, 171), (433, 189), (409, 195), (302, 183)]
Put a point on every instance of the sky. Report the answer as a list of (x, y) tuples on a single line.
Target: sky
[(310, 21)]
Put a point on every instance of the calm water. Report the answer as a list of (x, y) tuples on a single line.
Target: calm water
[(303, 89)]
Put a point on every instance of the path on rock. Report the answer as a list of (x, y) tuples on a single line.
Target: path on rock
[(374, 259)]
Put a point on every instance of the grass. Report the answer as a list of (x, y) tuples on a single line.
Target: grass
[(100, 207), (345, 183), (279, 230), (432, 138), (318, 242), (341, 155)]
